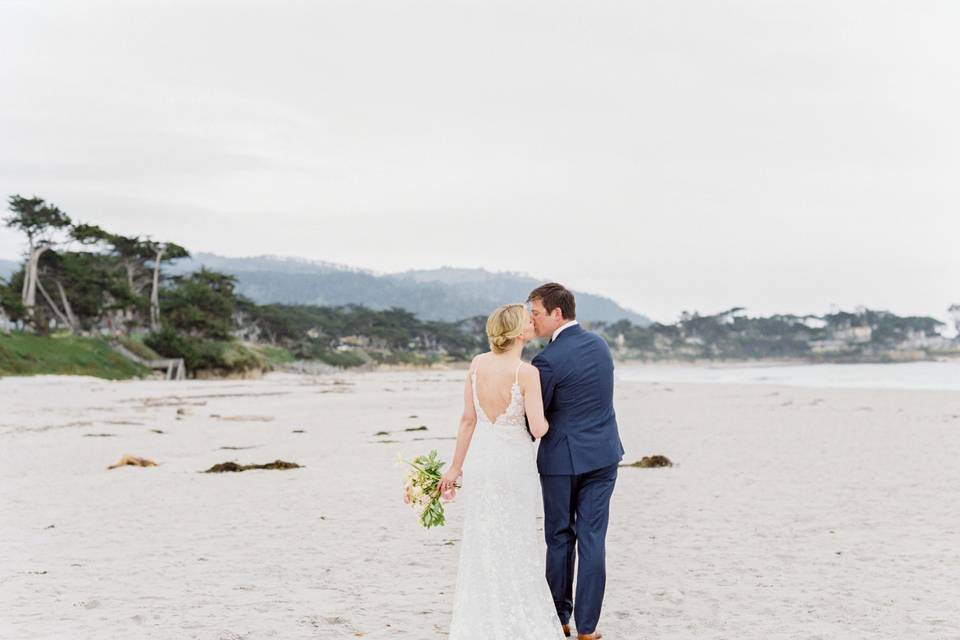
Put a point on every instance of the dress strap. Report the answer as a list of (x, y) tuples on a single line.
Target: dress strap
[(473, 388), (516, 376)]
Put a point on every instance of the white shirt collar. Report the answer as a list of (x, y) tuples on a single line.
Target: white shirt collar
[(561, 328)]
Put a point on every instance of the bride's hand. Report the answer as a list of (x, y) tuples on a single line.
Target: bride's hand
[(448, 483)]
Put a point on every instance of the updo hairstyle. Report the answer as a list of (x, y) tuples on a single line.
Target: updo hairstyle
[(505, 325)]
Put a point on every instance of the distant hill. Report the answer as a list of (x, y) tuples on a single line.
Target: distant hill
[(436, 294), (262, 263), (483, 290)]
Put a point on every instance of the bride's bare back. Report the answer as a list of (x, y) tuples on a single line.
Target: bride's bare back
[(505, 390), (497, 386)]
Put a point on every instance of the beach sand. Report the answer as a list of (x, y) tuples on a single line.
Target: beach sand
[(790, 512)]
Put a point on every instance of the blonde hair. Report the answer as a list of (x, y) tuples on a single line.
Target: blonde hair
[(505, 325)]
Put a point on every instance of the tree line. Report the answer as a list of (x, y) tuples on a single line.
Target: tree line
[(85, 275), (865, 334), (84, 279)]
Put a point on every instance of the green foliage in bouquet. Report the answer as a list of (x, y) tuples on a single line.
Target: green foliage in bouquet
[(421, 488)]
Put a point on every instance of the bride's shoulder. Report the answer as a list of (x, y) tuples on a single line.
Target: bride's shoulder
[(477, 359), (529, 372)]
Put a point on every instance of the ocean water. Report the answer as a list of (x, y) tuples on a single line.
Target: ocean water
[(901, 375)]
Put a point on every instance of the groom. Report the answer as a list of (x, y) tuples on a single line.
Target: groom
[(578, 456)]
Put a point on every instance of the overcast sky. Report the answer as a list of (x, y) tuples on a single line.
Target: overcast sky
[(783, 156)]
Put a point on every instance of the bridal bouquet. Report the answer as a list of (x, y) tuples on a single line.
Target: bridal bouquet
[(421, 489)]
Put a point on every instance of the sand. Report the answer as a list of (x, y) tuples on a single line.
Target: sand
[(790, 512)]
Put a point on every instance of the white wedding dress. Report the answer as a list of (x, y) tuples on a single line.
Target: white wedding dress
[(501, 588)]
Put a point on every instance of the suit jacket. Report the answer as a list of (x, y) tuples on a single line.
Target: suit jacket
[(576, 377)]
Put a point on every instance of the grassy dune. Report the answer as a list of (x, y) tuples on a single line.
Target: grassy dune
[(25, 354)]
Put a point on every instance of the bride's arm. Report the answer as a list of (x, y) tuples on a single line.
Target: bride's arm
[(468, 422), (533, 400)]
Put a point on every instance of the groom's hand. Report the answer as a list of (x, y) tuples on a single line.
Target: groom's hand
[(526, 423)]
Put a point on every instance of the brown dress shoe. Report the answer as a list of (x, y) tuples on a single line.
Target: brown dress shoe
[(566, 630), (596, 635)]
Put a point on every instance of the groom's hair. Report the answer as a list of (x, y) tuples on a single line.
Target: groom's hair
[(554, 295)]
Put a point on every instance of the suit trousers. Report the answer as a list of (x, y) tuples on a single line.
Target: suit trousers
[(576, 512)]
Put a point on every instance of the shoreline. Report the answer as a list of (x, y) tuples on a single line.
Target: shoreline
[(319, 368), (732, 363)]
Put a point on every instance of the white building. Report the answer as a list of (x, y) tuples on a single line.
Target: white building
[(829, 346), (853, 334), (920, 340), (621, 342), (954, 313), (813, 322)]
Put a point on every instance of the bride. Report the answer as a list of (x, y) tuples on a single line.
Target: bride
[(501, 589)]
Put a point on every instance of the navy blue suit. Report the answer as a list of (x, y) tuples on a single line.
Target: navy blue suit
[(577, 460)]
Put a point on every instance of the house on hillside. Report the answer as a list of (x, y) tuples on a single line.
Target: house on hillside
[(353, 341), (621, 342), (829, 346), (813, 322), (917, 339), (856, 335)]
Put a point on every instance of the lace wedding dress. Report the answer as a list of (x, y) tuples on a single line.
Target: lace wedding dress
[(501, 589)]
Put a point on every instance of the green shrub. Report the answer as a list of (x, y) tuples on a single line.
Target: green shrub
[(198, 354), (137, 346), (345, 359), (273, 354)]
